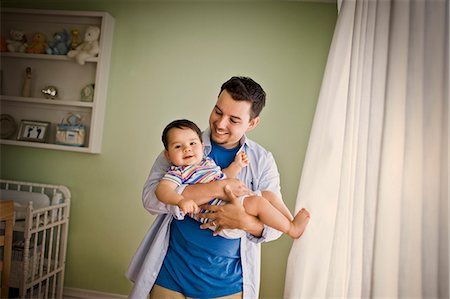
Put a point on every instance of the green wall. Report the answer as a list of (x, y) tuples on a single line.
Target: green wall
[(169, 60)]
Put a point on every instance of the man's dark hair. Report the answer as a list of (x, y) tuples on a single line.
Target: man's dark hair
[(245, 89), (180, 124)]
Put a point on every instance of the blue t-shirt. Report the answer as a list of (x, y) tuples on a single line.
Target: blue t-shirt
[(222, 156), (198, 264)]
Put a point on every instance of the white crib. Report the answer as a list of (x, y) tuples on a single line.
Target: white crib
[(40, 237)]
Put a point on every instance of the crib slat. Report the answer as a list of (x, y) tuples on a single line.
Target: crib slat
[(44, 241)]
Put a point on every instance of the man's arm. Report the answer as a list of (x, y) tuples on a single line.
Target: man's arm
[(149, 199), (269, 181), (232, 216)]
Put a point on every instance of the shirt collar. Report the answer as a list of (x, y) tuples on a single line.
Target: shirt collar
[(206, 136)]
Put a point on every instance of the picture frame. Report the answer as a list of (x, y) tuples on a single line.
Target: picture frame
[(33, 130)]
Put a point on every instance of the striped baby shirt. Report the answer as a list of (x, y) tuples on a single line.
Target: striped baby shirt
[(204, 172)]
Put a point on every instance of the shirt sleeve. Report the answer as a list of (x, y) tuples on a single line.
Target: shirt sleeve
[(149, 199), (269, 180), (173, 175)]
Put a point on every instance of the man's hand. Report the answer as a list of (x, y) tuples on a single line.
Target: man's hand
[(231, 215)]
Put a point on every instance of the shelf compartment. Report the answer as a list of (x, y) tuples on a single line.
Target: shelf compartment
[(46, 145), (56, 70), (58, 102), (42, 56)]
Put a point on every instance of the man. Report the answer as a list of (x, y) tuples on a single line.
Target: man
[(178, 256)]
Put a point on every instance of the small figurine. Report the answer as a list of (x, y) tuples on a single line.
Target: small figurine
[(60, 43), (75, 39), (26, 90), (38, 44), (18, 41), (87, 93), (88, 48), (50, 92)]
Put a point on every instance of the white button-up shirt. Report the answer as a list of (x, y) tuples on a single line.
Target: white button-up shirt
[(260, 175)]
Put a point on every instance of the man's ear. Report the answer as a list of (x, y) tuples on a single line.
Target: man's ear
[(253, 123)]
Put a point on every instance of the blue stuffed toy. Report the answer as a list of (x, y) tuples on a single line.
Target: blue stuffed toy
[(60, 44)]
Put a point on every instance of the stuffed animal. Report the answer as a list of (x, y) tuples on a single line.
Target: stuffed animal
[(88, 48), (17, 41), (75, 37), (60, 44), (38, 44)]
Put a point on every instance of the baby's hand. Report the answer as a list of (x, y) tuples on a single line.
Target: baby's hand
[(188, 206), (241, 159)]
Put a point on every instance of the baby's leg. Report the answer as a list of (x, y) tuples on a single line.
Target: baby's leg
[(300, 221), (267, 213), (277, 203), (270, 215)]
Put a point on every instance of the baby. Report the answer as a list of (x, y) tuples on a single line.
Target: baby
[(184, 149)]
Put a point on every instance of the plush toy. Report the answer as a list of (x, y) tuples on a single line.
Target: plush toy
[(38, 44), (88, 48), (60, 44), (75, 38), (17, 41)]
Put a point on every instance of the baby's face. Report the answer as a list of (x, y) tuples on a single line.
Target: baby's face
[(184, 147)]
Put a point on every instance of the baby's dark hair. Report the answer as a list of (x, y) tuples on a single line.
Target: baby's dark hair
[(180, 124)]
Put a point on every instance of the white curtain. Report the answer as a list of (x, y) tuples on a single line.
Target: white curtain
[(375, 177)]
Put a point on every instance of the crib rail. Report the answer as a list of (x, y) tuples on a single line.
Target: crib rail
[(39, 252)]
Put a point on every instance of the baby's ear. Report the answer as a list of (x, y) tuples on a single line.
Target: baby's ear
[(166, 154)]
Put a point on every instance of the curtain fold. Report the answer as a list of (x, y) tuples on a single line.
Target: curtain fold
[(375, 176)]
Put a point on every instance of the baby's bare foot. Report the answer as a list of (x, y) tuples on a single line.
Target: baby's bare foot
[(299, 223)]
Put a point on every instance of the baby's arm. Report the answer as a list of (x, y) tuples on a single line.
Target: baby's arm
[(240, 161), (165, 192)]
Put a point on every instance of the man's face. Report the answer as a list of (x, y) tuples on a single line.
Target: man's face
[(230, 120)]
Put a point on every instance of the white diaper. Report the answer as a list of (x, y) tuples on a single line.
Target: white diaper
[(232, 233)]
